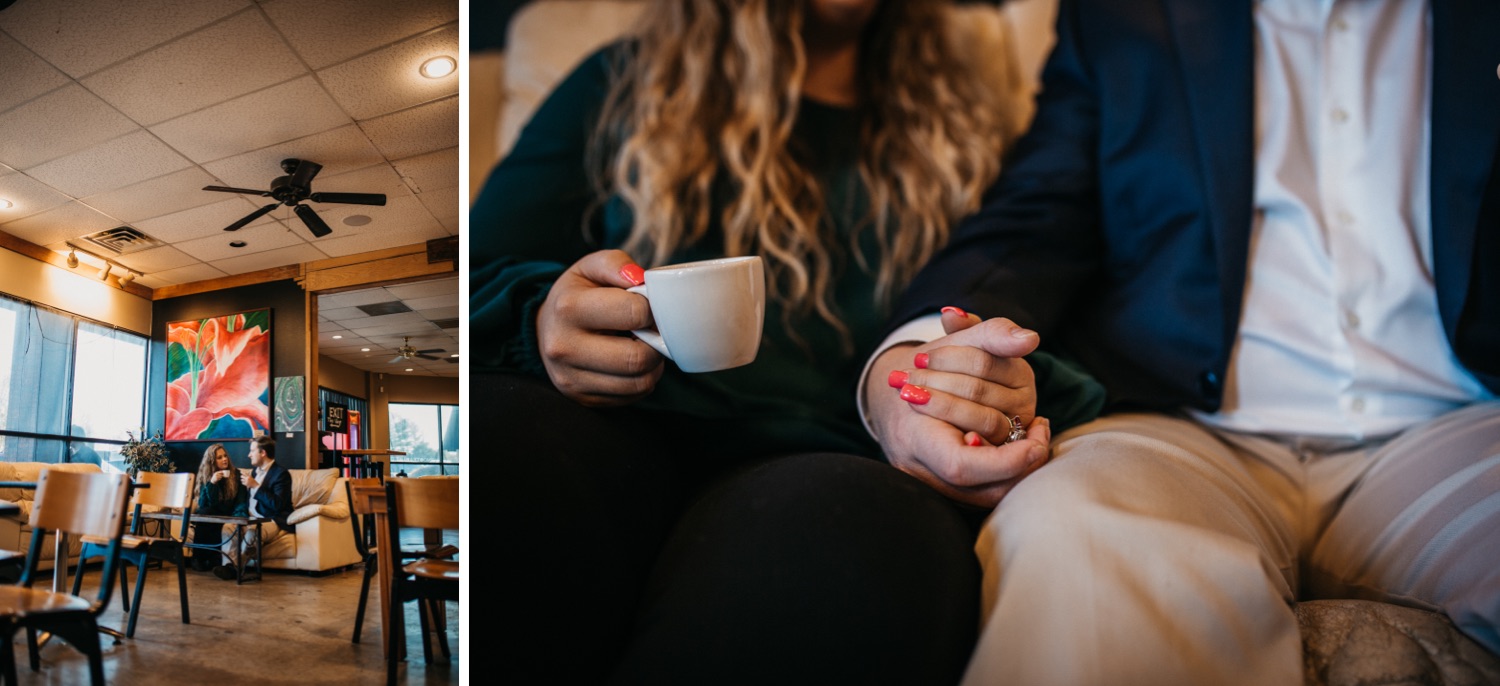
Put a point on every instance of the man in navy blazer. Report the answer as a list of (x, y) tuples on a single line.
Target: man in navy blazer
[(1272, 230)]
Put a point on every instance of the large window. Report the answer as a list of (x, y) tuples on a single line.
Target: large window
[(70, 388), (428, 434)]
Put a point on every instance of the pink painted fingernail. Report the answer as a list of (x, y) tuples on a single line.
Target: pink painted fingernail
[(921, 361), (973, 439), (897, 379), (915, 395), (955, 310), (634, 274)]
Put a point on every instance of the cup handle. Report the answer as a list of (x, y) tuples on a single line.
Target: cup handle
[(651, 336)]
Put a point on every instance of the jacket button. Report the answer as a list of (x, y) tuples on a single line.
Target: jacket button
[(1210, 384)]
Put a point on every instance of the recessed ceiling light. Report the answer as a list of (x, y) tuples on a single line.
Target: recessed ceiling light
[(6, 204), (237, 244), (336, 337), (453, 355), (438, 67), (410, 369), (356, 220), (364, 350)]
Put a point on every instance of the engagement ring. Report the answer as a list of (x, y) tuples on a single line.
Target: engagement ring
[(1017, 432)]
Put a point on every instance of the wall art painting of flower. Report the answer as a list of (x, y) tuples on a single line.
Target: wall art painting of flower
[(219, 377)]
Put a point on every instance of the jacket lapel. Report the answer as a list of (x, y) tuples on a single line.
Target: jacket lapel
[(1217, 54), (1465, 139)]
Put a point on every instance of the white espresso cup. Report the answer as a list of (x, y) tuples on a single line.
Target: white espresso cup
[(708, 314)]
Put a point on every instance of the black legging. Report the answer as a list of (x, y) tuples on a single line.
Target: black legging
[(811, 568)]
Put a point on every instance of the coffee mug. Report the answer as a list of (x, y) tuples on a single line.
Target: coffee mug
[(708, 314)]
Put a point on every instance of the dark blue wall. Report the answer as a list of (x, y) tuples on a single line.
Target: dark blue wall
[(288, 346)]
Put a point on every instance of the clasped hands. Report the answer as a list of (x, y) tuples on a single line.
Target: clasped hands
[(942, 410)]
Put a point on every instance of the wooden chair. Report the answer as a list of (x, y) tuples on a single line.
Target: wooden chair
[(420, 504), (71, 503), (364, 530), (136, 548)]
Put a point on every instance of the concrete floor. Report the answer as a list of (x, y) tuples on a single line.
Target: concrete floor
[(286, 629)]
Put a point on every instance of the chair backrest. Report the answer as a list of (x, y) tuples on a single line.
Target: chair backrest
[(361, 519), (81, 503), (166, 490), (423, 503)]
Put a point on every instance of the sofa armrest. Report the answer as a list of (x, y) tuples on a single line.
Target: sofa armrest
[(324, 543)]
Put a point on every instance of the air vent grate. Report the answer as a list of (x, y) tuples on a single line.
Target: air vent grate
[(122, 240), (446, 323)]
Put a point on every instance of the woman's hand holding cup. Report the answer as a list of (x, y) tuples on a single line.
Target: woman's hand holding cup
[(580, 327)]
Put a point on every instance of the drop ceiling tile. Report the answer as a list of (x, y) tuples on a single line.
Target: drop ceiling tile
[(325, 325), (443, 204), (389, 79), (431, 171), (406, 319), (61, 122), (344, 244), (279, 257), (400, 329), (208, 67), (257, 238), (25, 75), (180, 190), (379, 178), (328, 32), (27, 196), (200, 221), (439, 313), (121, 162), (354, 299), (150, 281), (340, 314), (278, 114), (59, 224), (425, 289), (432, 301), (189, 274), (422, 129), (52, 28), (404, 216), (451, 225), (159, 259), (340, 150)]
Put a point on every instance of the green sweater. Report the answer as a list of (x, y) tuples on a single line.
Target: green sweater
[(532, 221)]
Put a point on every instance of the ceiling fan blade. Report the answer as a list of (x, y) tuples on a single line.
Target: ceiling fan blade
[(429, 357), (451, 360), (230, 189), (251, 217), (349, 198), (315, 224), (302, 177), (431, 350), (398, 358)]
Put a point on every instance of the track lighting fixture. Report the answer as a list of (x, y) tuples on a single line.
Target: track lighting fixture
[(127, 278), (104, 273), (72, 259)]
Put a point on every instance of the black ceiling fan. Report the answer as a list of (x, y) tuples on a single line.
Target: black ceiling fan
[(292, 189)]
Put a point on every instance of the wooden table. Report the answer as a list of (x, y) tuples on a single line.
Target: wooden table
[(371, 500), (237, 539)]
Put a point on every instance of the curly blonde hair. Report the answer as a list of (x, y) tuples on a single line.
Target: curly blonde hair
[(209, 465), (710, 97)]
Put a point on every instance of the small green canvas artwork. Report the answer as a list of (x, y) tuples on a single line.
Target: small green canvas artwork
[(290, 402)]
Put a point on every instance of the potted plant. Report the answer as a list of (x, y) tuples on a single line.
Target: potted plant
[(145, 454)]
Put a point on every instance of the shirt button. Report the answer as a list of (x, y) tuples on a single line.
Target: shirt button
[(1351, 320), (1357, 405), (1210, 385), (1339, 115)]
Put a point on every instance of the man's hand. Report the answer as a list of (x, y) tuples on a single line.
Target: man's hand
[(579, 330), (248, 480), (941, 410)]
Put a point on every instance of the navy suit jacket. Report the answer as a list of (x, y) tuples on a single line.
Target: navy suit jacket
[(1120, 226), (274, 497)]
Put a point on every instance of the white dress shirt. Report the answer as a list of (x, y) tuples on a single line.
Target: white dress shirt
[(259, 474), (1340, 333)]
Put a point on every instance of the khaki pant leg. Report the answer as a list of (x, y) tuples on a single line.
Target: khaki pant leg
[(1419, 524), (1146, 552)]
